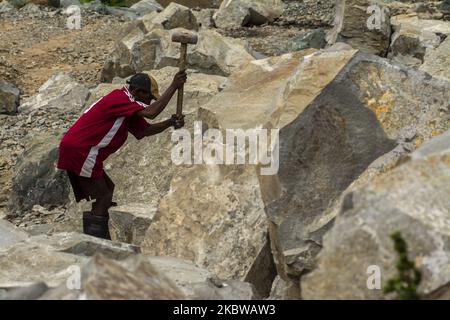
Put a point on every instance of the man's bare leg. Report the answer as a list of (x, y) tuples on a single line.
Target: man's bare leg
[(104, 202)]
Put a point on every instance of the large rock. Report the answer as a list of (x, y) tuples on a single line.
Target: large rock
[(148, 161), (9, 98), (139, 51), (193, 3), (437, 61), (52, 259), (414, 38), (240, 13), (411, 199), (36, 179), (59, 92), (9, 234), (337, 112), (106, 279), (100, 91), (363, 29), (31, 292), (219, 215)]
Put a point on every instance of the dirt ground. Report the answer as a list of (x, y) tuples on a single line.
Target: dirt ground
[(33, 46)]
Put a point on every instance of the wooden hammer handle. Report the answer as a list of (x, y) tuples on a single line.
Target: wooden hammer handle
[(182, 66)]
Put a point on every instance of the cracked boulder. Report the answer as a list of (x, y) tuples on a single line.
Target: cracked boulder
[(411, 199), (143, 50)]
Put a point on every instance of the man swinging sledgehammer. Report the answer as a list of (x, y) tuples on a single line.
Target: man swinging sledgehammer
[(103, 128)]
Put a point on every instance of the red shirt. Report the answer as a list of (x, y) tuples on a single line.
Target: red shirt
[(100, 131)]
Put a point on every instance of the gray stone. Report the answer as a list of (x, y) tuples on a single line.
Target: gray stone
[(437, 61), (353, 98), (193, 3), (205, 18), (96, 6), (53, 259), (351, 25), (311, 39), (9, 234), (36, 179), (175, 16), (31, 292), (239, 13), (122, 12), (68, 3), (60, 92), (23, 3), (412, 199), (356, 100), (9, 98), (284, 290)]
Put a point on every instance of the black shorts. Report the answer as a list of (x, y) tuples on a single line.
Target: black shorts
[(90, 188)]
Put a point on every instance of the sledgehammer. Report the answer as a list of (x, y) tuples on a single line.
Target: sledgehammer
[(185, 38)]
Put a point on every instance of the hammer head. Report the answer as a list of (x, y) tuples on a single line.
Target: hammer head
[(184, 37)]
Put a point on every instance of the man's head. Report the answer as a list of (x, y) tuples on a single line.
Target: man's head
[(143, 88)]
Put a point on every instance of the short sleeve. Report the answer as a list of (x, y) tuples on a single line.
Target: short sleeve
[(137, 126)]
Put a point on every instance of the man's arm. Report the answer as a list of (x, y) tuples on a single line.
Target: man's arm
[(154, 109), (155, 128)]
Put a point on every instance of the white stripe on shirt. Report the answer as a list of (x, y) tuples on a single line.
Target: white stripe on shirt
[(89, 163)]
